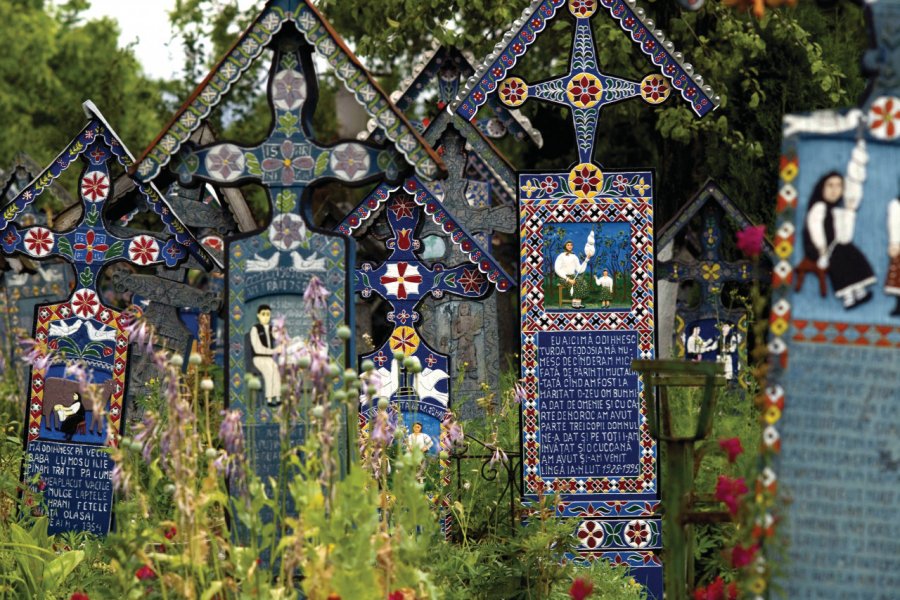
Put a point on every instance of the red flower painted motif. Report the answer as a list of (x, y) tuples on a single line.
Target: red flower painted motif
[(620, 183), (883, 118), (584, 179), (513, 91), (85, 303), (582, 8), (637, 534), (39, 241), (584, 90), (471, 281), (95, 186), (143, 250), (549, 185), (402, 208), (654, 89), (405, 340), (90, 245), (401, 279)]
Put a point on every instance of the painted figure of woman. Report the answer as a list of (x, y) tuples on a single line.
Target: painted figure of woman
[(828, 232), (892, 285)]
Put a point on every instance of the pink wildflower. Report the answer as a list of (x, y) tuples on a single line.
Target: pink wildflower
[(581, 589), (732, 447), (750, 240), (730, 491), (741, 557)]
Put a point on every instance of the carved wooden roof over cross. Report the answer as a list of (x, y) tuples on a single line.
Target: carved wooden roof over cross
[(447, 67), (98, 144), (328, 45), (584, 89)]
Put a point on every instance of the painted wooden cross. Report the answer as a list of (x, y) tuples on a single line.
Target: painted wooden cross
[(711, 330), (80, 355), (575, 201), (268, 270)]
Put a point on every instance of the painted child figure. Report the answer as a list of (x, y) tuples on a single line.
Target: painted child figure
[(892, 284), (605, 283)]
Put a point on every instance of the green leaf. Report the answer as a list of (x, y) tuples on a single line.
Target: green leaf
[(64, 247), (252, 164), (115, 250), (287, 123), (286, 201), (322, 163), (57, 570), (86, 277), (92, 216), (450, 280)]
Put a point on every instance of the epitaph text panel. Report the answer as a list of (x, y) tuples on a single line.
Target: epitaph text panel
[(586, 314)]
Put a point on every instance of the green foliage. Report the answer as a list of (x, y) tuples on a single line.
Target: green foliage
[(55, 62)]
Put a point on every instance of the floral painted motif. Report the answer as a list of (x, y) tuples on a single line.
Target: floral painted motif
[(549, 185), (405, 340), (401, 279), (39, 241), (289, 90), (590, 534), (584, 180), (89, 246), (513, 91), (213, 242), (287, 231), (10, 239), (143, 250), (350, 161), (654, 89), (85, 303), (95, 187), (582, 9), (637, 534), (287, 163), (471, 281), (402, 208), (883, 118), (584, 90), (225, 162)]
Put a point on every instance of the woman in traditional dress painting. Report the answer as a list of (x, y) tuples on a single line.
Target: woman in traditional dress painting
[(828, 232)]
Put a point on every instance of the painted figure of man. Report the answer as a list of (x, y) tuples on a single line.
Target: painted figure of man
[(606, 288), (568, 268), (727, 349), (263, 351), (418, 439)]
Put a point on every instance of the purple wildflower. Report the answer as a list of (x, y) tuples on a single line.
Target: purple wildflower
[(453, 435), (316, 295), (519, 394), (498, 456)]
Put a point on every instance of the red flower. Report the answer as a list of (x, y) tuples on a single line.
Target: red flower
[(732, 447), (92, 243), (145, 573), (580, 589), (171, 533), (95, 186), (741, 557), (39, 241), (750, 240), (584, 91), (79, 596), (730, 492), (107, 351)]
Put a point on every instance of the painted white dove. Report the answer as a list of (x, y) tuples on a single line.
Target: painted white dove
[(63, 330), (100, 335), (258, 263), (426, 384), (313, 263)]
